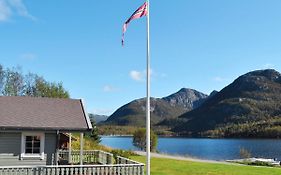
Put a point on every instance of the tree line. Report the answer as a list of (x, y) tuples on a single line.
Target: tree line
[(270, 128), (14, 83)]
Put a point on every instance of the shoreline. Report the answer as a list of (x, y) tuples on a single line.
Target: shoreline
[(212, 138), (175, 157)]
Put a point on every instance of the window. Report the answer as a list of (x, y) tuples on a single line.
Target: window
[(32, 145)]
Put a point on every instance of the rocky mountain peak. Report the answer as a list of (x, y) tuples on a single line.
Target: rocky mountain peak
[(214, 92), (168, 107), (259, 75), (258, 80), (187, 98)]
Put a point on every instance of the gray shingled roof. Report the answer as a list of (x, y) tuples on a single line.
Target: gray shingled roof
[(36, 113)]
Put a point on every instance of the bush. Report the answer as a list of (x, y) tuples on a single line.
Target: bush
[(122, 153), (259, 163), (139, 139)]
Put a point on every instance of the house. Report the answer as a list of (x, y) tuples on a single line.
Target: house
[(31, 128), (35, 138)]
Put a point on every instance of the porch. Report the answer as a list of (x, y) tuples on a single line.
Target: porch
[(66, 157), (95, 162)]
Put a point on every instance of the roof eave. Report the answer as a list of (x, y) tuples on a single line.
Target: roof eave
[(87, 118), (44, 129)]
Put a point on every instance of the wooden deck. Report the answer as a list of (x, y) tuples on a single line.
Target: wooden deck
[(104, 164)]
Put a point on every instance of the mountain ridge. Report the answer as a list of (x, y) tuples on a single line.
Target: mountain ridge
[(249, 107), (253, 99), (171, 106)]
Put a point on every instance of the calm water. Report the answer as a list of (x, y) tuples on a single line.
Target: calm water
[(212, 149)]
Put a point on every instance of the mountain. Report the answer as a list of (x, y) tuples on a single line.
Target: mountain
[(187, 98), (248, 107), (98, 118), (169, 107), (214, 92)]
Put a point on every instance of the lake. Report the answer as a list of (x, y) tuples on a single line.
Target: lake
[(211, 149)]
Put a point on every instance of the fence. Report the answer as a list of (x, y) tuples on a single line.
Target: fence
[(117, 169), (89, 157), (123, 160), (96, 163)]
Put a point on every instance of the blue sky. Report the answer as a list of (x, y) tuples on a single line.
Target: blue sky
[(199, 44)]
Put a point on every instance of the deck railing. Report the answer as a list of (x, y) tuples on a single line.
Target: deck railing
[(117, 169), (123, 160), (96, 163), (89, 157)]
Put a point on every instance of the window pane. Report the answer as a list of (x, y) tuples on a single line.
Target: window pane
[(36, 150), (36, 138), (28, 138), (28, 150), (28, 144), (36, 144)]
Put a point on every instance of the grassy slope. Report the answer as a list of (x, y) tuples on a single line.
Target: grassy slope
[(89, 144), (176, 167)]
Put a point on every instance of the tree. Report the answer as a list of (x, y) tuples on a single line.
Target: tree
[(30, 84), (14, 82), (57, 90), (41, 87), (2, 77), (139, 139), (46, 89), (95, 133)]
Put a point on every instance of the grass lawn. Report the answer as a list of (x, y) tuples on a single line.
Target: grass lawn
[(160, 166)]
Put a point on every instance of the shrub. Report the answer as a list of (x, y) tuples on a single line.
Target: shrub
[(122, 153), (139, 139)]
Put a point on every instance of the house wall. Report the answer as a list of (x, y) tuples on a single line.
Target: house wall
[(10, 149)]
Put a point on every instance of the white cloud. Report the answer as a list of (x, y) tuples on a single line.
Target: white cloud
[(10, 7), (28, 56), (137, 75), (268, 66), (219, 79), (140, 76), (21, 9), (5, 11), (109, 88)]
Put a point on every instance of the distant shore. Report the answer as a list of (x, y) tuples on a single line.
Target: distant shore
[(117, 135), (189, 137)]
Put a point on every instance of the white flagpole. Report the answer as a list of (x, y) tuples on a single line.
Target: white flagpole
[(148, 95)]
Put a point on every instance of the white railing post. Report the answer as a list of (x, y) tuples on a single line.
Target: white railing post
[(81, 147), (69, 148)]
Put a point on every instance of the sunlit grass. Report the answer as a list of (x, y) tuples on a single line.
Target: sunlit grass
[(89, 144), (161, 166)]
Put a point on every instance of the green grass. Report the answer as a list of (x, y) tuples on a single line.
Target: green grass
[(160, 166)]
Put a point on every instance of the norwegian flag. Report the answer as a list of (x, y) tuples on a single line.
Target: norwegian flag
[(140, 12)]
